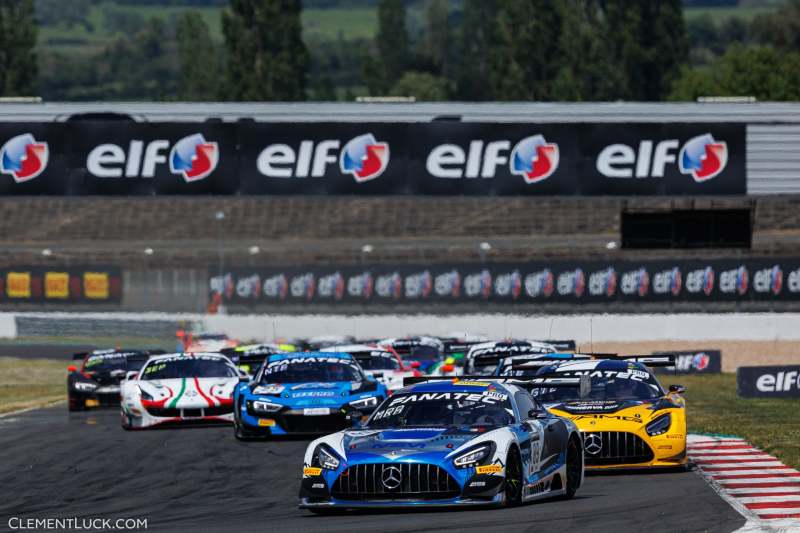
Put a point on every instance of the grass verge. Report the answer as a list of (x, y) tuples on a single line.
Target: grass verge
[(28, 383), (772, 425)]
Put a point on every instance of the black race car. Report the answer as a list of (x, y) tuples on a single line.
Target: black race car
[(96, 382)]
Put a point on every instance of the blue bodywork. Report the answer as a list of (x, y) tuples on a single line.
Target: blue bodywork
[(300, 403), (367, 453)]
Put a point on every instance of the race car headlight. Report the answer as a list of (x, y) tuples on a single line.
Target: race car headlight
[(144, 394), (473, 456), (365, 403), (266, 407), (660, 425), (326, 458), (84, 386)]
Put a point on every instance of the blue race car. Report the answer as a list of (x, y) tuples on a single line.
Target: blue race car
[(300, 393), (447, 443)]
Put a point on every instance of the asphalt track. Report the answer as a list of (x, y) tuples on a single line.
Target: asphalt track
[(57, 464)]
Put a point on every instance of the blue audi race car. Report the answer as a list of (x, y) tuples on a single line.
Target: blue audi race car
[(447, 443), (304, 393)]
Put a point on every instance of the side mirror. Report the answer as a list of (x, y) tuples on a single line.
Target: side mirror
[(678, 389), (244, 378), (131, 375), (72, 368), (415, 364), (447, 368), (354, 418)]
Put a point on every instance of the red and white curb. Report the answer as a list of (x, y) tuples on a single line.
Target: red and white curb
[(761, 488)]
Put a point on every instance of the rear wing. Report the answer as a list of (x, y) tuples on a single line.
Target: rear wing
[(583, 382), (567, 345), (453, 347), (647, 360)]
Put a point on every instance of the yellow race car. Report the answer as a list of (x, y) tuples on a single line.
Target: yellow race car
[(625, 416)]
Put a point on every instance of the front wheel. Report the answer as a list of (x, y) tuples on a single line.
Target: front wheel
[(574, 468), (125, 421), (513, 482)]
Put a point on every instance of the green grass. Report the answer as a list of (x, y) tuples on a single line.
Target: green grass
[(31, 383), (772, 425)]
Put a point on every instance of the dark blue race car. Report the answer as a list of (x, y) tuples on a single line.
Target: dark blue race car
[(304, 393), (446, 443)]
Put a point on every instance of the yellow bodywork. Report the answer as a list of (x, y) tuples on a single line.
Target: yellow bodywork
[(668, 449)]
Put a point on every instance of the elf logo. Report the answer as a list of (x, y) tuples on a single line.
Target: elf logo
[(533, 158), (23, 157), (192, 157), (363, 157), (701, 157)]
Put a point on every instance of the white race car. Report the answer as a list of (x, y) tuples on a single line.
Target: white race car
[(182, 388), (380, 362)]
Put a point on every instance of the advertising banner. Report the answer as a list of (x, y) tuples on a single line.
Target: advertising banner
[(73, 284), (768, 381), (571, 282), (693, 362), (380, 158)]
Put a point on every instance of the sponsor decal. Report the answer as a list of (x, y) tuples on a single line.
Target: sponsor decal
[(534, 159), (391, 477), (248, 287), (313, 394), (488, 469), (793, 283), (23, 157), (96, 285), (603, 282), (302, 286), (364, 158), (448, 284), (331, 286), (735, 281), (472, 383), (541, 283), (193, 158), (18, 284), (572, 282), (636, 282), (418, 285), (389, 286), (701, 157), (276, 287), (310, 360), (361, 285), (269, 389), (668, 282), (768, 280), (767, 381), (700, 281), (489, 397), (56, 285), (508, 284), (479, 284), (309, 471)]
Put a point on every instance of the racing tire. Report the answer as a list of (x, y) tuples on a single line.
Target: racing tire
[(512, 487), (240, 433), (125, 422), (574, 467)]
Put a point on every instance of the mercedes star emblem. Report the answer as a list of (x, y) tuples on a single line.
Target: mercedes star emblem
[(391, 477), (593, 443)]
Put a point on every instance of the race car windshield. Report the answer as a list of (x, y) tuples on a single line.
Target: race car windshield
[(306, 372), (443, 410), (604, 388), (379, 363), (419, 353), (109, 363), (188, 367)]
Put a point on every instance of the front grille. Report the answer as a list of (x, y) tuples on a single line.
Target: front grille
[(312, 424), (615, 447), (173, 412), (379, 481)]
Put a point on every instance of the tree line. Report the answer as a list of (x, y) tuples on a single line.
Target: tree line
[(471, 50)]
